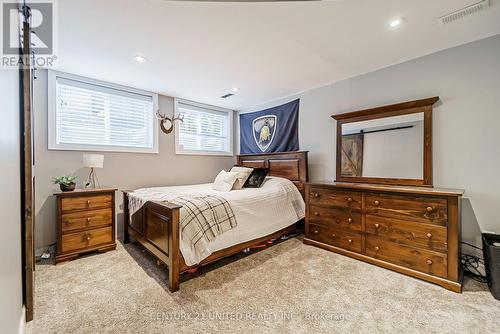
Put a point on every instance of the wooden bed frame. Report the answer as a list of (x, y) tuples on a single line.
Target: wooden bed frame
[(156, 225)]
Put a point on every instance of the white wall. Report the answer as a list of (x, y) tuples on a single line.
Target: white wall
[(395, 153), (466, 130), (11, 293), (121, 170)]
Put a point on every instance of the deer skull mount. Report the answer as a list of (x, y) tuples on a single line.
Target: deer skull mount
[(170, 122)]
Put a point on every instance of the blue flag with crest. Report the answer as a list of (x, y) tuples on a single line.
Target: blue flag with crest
[(272, 130)]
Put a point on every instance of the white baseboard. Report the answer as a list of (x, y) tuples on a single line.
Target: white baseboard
[(22, 321)]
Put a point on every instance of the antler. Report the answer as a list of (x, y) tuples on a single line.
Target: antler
[(179, 118), (164, 118)]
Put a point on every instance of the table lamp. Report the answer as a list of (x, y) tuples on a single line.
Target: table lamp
[(93, 161)]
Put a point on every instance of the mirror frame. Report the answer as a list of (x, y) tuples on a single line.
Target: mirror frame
[(398, 109)]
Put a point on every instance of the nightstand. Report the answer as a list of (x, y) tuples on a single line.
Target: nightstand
[(85, 222)]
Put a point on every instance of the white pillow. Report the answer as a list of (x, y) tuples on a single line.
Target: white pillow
[(243, 174), (224, 181)]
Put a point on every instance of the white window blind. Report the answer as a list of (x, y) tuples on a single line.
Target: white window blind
[(204, 130), (94, 116)]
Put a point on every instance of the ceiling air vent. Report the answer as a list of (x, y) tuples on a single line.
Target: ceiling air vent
[(227, 95), (464, 12)]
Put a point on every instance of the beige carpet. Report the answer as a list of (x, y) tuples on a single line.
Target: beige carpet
[(286, 288)]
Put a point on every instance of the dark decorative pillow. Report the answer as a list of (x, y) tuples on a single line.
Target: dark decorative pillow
[(257, 177)]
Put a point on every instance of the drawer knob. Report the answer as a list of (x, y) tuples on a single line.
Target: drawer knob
[(377, 248), (334, 235), (316, 232), (429, 209), (429, 261), (316, 213), (316, 195), (377, 203), (429, 235), (88, 202), (349, 199), (349, 220), (88, 238), (88, 220), (376, 225), (349, 241)]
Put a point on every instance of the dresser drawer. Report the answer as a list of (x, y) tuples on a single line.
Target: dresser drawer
[(416, 234), (82, 240), (336, 217), (86, 202), (331, 197), (417, 259), (418, 209), (86, 219), (334, 237)]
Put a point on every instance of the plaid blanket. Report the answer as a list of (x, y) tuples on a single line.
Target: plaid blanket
[(202, 218)]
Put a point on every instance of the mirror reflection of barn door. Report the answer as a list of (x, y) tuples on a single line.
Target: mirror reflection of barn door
[(27, 166)]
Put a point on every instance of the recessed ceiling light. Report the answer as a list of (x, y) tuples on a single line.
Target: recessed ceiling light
[(140, 59), (235, 89), (395, 23)]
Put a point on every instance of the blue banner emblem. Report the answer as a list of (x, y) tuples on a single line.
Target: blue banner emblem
[(272, 130), (264, 129)]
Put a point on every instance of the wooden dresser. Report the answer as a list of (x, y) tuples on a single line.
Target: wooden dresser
[(411, 230), (85, 222)]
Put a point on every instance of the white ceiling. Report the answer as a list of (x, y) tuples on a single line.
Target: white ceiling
[(200, 50)]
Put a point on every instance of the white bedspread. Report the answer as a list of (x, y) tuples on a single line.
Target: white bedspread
[(258, 211)]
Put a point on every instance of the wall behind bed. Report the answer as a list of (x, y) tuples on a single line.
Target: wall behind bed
[(466, 121), (121, 170)]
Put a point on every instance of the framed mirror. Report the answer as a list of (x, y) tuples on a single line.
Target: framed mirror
[(386, 145)]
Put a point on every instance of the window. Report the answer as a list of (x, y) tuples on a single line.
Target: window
[(205, 130), (90, 115)]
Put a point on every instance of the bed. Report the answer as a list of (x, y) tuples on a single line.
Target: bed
[(155, 225)]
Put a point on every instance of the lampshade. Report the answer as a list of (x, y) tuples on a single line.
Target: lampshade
[(93, 160)]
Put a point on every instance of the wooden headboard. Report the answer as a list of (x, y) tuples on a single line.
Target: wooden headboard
[(289, 165)]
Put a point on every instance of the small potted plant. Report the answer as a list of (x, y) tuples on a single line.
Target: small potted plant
[(66, 183)]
